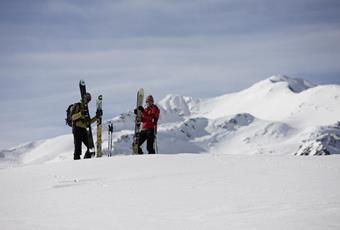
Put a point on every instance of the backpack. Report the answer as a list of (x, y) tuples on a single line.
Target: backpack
[(69, 112)]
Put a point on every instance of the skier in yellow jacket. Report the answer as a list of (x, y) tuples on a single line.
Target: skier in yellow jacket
[(79, 125)]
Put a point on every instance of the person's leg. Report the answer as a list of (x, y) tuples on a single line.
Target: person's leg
[(77, 143), (142, 139), (151, 141), (85, 140)]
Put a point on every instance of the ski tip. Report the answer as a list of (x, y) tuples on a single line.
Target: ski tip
[(100, 97), (81, 82)]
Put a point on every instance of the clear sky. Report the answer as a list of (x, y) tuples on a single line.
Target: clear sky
[(195, 48)]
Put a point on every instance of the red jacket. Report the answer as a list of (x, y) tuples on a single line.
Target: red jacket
[(150, 117)]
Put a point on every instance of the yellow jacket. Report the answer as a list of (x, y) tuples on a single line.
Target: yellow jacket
[(78, 119)]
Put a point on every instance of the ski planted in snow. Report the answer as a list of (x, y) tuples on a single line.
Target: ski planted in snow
[(90, 151), (138, 121), (99, 114)]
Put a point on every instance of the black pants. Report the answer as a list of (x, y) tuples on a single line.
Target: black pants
[(149, 136), (80, 136)]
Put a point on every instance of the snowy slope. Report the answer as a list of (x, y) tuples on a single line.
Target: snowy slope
[(182, 191), (276, 115), (248, 175), (279, 115)]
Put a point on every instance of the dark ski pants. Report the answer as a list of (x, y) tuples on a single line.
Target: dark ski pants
[(80, 136), (149, 136)]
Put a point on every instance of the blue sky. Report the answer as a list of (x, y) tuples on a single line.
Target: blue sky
[(196, 48)]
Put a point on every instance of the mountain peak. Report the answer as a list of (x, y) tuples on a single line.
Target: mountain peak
[(294, 84), (178, 104)]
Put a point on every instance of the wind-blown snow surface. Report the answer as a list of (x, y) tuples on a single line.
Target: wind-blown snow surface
[(279, 115), (181, 191)]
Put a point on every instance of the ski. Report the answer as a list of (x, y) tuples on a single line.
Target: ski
[(90, 152), (99, 104), (138, 121)]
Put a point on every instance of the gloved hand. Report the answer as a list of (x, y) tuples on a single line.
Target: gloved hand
[(141, 108)]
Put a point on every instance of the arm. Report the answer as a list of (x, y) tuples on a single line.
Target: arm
[(99, 114), (156, 113), (143, 115), (156, 117), (93, 119), (78, 115)]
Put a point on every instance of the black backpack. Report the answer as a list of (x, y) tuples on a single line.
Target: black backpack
[(69, 112)]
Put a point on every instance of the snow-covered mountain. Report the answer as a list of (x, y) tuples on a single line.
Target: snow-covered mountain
[(279, 115)]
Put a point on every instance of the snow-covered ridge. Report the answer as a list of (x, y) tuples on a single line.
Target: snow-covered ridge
[(180, 105), (279, 115), (322, 141), (294, 84)]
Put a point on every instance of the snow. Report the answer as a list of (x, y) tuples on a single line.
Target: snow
[(181, 191), (229, 162), (295, 85), (322, 141), (178, 104)]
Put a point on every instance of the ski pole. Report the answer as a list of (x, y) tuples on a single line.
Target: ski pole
[(108, 141), (110, 138), (155, 143)]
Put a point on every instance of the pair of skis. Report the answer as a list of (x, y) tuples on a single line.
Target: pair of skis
[(138, 121), (99, 102)]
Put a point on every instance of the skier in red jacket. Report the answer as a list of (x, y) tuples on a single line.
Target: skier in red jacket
[(150, 115)]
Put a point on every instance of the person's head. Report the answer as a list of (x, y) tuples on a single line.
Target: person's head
[(87, 98), (149, 100)]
